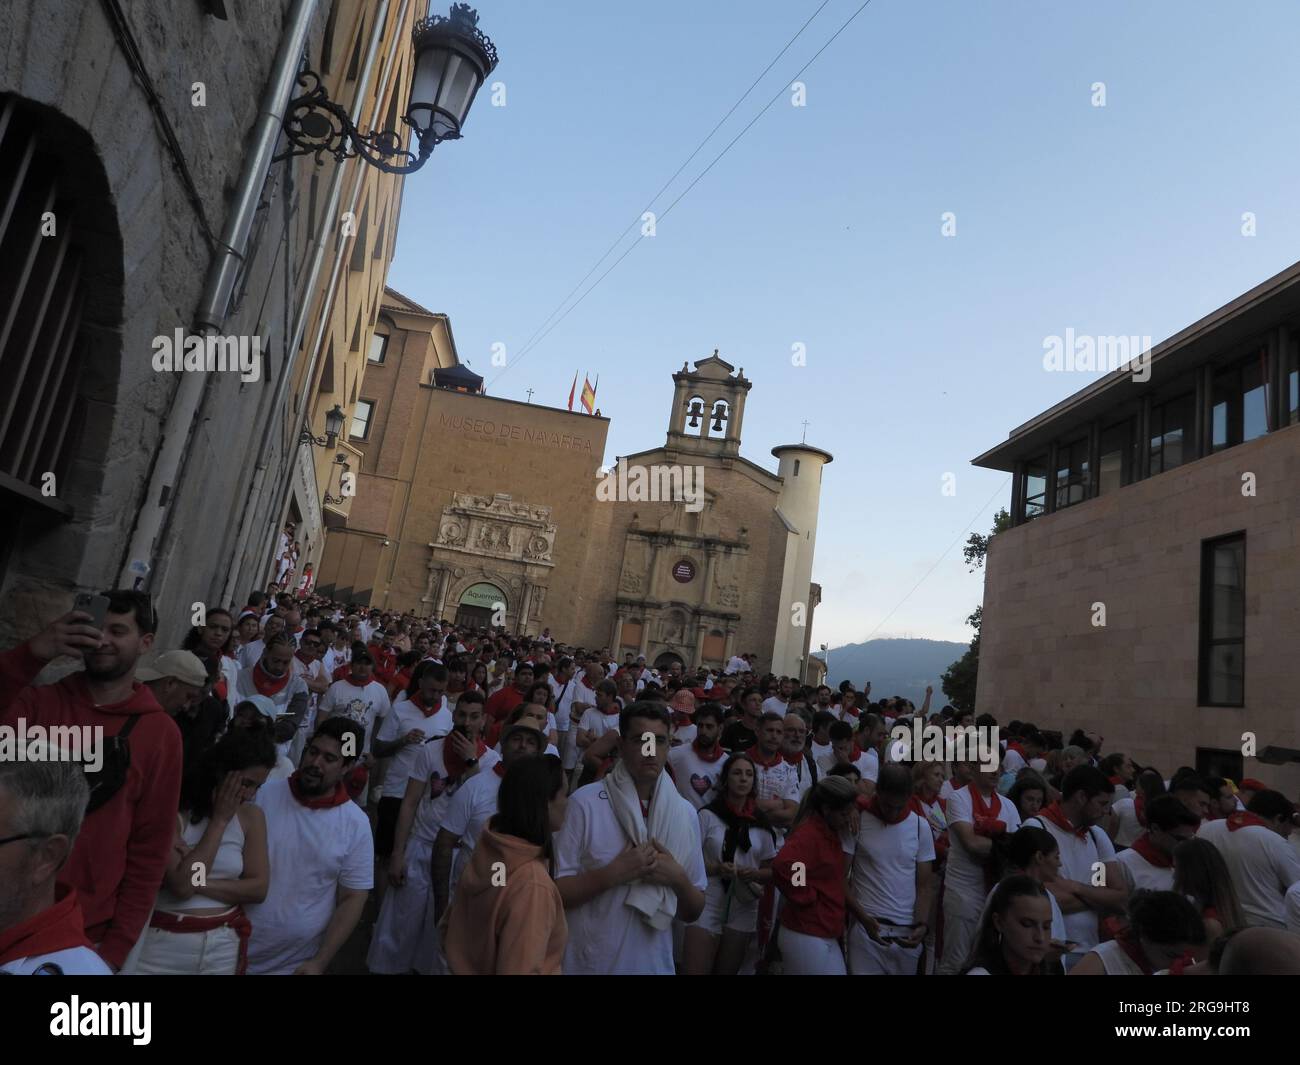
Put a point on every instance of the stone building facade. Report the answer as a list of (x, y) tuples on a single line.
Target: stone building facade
[(493, 511), (144, 137), (1149, 588)]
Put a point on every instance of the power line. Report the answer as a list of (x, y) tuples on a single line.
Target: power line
[(1001, 488), (531, 342)]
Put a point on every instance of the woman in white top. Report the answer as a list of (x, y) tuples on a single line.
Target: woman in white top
[(1163, 927), (218, 864), (1014, 934), (739, 845)]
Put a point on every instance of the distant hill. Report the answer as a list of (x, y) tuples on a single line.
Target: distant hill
[(895, 667)]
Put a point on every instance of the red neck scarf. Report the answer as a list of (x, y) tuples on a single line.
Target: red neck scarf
[(1128, 942), (454, 762), (306, 660), (1116, 779), (746, 810), (266, 684), (500, 770), (58, 927), (873, 807), (710, 755), (319, 802), (428, 711), (759, 758), (1056, 815), (1242, 818), (793, 759), (1014, 745), (982, 807), (357, 683), (1151, 852)]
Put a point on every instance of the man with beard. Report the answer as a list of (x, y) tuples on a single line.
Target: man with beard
[(502, 702), (695, 766), (321, 859), (794, 751), (743, 734), (272, 676), (119, 857)]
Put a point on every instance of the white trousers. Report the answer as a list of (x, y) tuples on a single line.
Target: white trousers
[(869, 958), (803, 955), (959, 928), (406, 916), (162, 953)]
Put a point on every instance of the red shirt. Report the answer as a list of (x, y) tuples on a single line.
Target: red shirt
[(499, 705), (121, 853), (817, 907)]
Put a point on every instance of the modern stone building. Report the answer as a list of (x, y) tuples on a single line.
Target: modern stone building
[(147, 192), (1149, 587), (468, 506)]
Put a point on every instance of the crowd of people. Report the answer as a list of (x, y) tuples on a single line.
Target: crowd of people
[(513, 804)]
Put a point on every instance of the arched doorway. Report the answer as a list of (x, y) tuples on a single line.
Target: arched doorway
[(479, 603), (666, 661)]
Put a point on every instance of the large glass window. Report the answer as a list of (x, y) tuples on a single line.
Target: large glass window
[(1116, 464), (1035, 487), (1240, 402), (1072, 471), (1171, 433), (361, 419), (378, 347), (1223, 622)]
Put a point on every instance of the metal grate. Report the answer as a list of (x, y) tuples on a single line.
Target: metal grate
[(41, 301)]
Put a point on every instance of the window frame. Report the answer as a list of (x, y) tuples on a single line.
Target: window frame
[(1206, 641), (369, 419), (383, 348)]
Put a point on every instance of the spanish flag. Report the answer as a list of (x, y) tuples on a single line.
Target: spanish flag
[(588, 394)]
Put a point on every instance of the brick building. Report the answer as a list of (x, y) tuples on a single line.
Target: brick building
[(1149, 587)]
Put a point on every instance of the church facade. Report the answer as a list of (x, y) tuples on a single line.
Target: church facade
[(490, 511)]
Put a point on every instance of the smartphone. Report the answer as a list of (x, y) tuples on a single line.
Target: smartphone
[(94, 605)]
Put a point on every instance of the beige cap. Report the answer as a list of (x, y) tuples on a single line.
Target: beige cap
[(185, 666)]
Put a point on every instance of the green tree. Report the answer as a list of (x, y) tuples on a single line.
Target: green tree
[(959, 680)]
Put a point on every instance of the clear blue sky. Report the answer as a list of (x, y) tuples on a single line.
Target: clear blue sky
[(822, 224)]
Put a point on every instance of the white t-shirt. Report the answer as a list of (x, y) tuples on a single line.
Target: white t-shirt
[(1012, 762), (803, 775), (884, 865), (1142, 875), (564, 696), (777, 781), (312, 854), (775, 705), (1263, 866), (598, 724), (606, 936), (75, 961), (824, 754), (470, 809), (964, 880), (1291, 904), (360, 704), (405, 716), (736, 664), (1078, 856), (696, 779), (1129, 826), (430, 768)]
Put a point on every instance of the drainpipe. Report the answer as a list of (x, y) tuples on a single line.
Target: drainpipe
[(156, 511), (248, 514)]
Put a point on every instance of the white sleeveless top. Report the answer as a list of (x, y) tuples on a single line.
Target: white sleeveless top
[(228, 865), (1115, 961)]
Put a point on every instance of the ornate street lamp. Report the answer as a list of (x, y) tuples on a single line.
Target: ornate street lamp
[(334, 420), (453, 58), (330, 500)]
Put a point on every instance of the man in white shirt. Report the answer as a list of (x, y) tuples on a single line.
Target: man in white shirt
[(321, 857), (977, 815), (1087, 855), (422, 716), (358, 696), (892, 880), (820, 745), (251, 653), (776, 792), (1149, 863), (794, 749), (470, 810), (621, 880), (779, 702), (1262, 864), (845, 751), (696, 766), (272, 676), (737, 664), (42, 927)]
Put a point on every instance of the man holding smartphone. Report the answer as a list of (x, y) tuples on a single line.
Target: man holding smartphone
[(125, 842)]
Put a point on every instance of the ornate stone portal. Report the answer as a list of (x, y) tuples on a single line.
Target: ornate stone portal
[(499, 541)]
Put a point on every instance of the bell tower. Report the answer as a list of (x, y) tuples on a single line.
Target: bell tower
[(708, 408)]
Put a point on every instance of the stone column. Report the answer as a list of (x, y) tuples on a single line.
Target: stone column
[(645, 635), (710, 569), (617, 641), (702, 629), (730, 649), (444, 586), (652, 570), (521, 624)]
